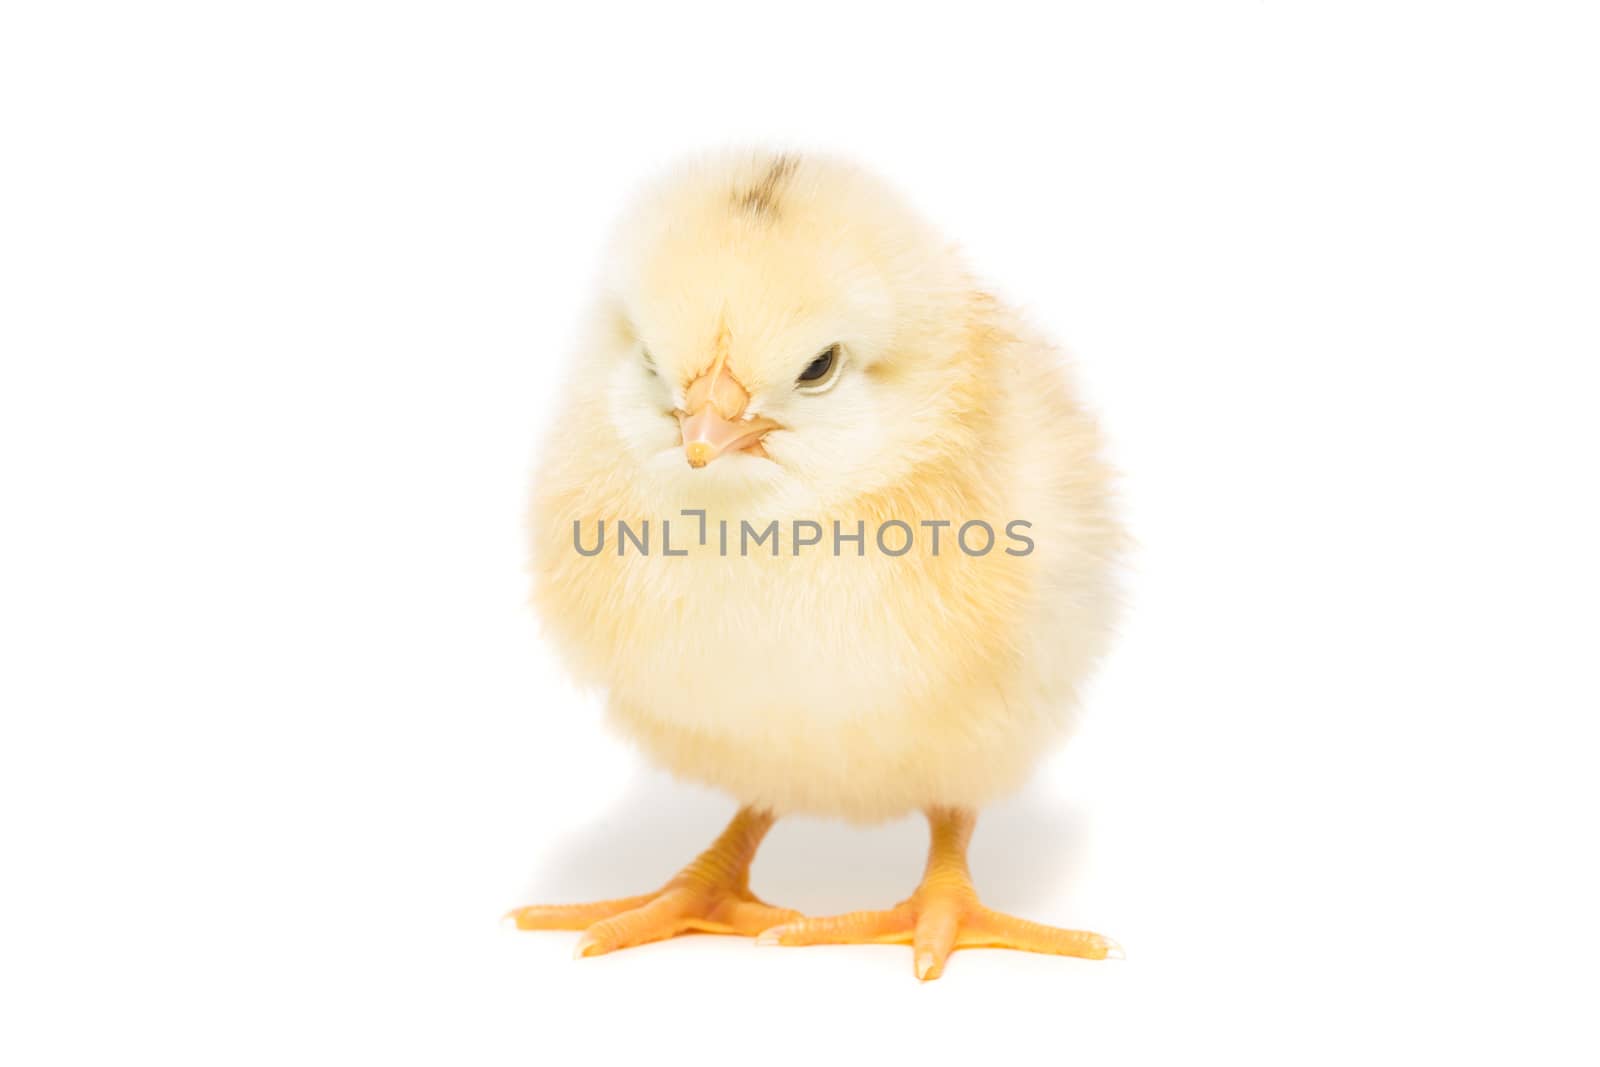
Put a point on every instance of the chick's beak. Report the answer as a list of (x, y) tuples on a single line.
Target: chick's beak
[(714, 422)]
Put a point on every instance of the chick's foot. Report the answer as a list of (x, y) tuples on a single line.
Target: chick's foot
[(711, 895), (942, 915)]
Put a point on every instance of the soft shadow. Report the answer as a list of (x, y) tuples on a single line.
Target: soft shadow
[(1022, 854)]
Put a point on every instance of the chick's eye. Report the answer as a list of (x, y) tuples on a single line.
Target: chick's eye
[(649, 363), (821, 369)]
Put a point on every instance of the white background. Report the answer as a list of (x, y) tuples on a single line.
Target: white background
[(284, 290)]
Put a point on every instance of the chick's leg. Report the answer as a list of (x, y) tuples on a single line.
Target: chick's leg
[(711, 895), (943, 914)]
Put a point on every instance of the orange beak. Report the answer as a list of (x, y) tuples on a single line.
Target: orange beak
[(714, 422)]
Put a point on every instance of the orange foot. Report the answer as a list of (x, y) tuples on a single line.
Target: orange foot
[(711, 895), (942, 915)]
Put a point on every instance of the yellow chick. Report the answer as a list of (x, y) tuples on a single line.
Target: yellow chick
[(828, 526)]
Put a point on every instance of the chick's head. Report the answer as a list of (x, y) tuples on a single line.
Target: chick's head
[(781, 328)]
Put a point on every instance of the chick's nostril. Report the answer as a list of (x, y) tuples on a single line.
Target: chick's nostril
[(728, 396)]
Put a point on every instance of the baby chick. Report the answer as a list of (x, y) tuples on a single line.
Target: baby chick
[(779, 338)]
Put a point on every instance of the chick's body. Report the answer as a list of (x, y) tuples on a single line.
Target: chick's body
[(845, 677), (858, 685)]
